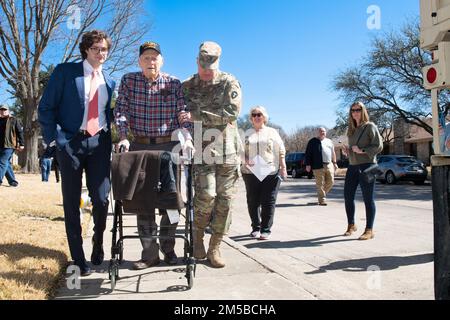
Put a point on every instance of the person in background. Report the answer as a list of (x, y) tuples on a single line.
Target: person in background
[(321, 158), (262, 187), (11, 139), (444, 136), (364, 143), (55, 165), (46, 160)]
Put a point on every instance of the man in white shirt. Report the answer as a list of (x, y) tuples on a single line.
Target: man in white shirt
[(321, 158), (75, 111)]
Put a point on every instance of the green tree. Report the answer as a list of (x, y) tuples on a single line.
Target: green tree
[(389, 81)]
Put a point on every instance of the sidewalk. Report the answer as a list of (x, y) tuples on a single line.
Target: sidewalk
[(243, 278), (306, 258)]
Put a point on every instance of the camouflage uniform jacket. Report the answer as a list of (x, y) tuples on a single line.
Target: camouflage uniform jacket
[(216, 105)]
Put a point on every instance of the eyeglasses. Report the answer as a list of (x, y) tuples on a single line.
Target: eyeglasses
[(254, 115), (356, 110), (98, 50)]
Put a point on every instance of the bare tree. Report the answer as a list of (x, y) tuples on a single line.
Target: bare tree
[(244, 123), (29, 29), (384, 121), (389, 80), (298, 140)]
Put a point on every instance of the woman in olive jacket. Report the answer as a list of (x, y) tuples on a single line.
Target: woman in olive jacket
[(364, 143)]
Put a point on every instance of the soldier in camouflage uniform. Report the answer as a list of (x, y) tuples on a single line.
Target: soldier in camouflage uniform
[(213, 99)]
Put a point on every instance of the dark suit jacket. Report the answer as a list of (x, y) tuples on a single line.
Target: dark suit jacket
[(313, 154), (62, 105)]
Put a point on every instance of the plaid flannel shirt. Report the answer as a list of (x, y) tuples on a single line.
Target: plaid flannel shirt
[(149, 109)]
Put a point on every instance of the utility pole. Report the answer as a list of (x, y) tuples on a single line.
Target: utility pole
[(435, 37)]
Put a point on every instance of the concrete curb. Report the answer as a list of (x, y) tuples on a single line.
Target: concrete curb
[(270, 266)]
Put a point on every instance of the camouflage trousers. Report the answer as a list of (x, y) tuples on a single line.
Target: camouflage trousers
[(215, 187)]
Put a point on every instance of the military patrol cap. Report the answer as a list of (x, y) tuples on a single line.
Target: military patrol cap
[(209, 54), (3, 107), (149, 45)]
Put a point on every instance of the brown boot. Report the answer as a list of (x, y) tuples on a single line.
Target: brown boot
[(350, 229), (368, 234), (213, 254), (199, 247)]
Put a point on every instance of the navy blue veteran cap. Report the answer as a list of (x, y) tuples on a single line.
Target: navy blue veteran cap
[(149, 45)]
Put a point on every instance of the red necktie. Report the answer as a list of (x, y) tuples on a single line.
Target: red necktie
[(92, 119)]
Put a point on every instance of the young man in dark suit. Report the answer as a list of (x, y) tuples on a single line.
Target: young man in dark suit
[(75, 110)]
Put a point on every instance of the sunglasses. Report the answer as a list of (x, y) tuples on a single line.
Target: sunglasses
[(254, 115), (356, 110)]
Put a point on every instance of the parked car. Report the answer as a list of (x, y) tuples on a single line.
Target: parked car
[(296, 165), (401, 167)]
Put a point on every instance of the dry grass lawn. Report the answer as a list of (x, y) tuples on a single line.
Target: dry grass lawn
[(33, 247)]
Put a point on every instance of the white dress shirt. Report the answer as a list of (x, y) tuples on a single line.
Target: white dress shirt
[(102, 96)]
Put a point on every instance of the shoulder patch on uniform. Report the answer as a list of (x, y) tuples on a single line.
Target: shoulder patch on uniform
[(234, 94)]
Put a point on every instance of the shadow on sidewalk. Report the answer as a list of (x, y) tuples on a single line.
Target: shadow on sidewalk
[(129, 284), (264, 244), (288, 205), (375, 263)]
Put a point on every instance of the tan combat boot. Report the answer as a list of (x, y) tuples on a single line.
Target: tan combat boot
[(213, 254), (368, 234), (350, 229), (199, 247)]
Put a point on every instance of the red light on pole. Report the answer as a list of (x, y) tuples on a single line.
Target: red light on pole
[(431, 75)]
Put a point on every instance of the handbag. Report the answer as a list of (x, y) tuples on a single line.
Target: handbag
[(370, 174)]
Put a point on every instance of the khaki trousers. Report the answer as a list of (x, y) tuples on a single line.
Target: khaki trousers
[(324, 180)]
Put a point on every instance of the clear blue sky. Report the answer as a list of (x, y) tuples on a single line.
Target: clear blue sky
[(284, 52)]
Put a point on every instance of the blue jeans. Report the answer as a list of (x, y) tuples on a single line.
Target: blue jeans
[(352, 179), (46, 167), (6, 169)]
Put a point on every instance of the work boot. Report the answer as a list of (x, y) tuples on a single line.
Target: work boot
[(350, 229), (213, 254), (199, 247), (368, 234)]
